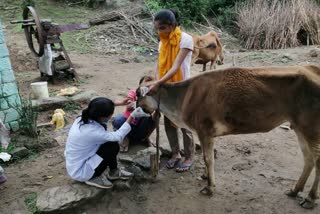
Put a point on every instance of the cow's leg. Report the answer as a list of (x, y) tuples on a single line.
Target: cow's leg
[(311, 153), (207, 150), (204, 66), (308, 166), (309, 202), (213, 63)]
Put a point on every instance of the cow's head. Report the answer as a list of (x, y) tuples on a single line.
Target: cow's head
[(146, 102)]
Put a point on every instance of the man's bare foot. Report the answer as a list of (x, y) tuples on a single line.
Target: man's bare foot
[(124, 145)]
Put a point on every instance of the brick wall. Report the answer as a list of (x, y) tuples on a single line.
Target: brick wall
[(9, 95)]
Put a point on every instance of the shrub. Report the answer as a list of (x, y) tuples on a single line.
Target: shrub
[(223, 12), (278, 23), (188, 11)]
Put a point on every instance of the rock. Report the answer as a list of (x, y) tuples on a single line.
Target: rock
[(124, 60), (314, 52), (243, 149), (65, 197), (142, 157), (126, 159), (199, 178), (148, 151), (141, 198), (137, 60), (143, 162), (20, 152), (61, 140), (242, 166), (242, 50), (165, 149), (287, 56), (228, 210), (48, 142), (122, 185), (36, 147), (139, 175)]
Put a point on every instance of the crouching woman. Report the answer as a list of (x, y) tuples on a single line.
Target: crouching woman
[(91, 148)]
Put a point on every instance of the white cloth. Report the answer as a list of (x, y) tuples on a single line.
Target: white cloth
[(4, 135), (1, 171), (45, 61), (5, 156), (82, 144), (185, 42)]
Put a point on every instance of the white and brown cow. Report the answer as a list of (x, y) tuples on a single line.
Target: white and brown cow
[(248, 100), (207, 48)]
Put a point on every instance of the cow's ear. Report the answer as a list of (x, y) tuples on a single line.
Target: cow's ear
[(212, 33), (142, 91), (200, 43), (218, 42)]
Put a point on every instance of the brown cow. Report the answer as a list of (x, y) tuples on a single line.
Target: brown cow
[(247, 100), (207, 48)]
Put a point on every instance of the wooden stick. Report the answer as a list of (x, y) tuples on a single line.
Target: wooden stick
[(154, 165), (200, 32), (134, 33)]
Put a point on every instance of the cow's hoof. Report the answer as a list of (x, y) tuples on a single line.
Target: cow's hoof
[(207, 191), (307, 203), (291, 193)]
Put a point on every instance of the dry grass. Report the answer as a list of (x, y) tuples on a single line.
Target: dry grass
[(278, 23)]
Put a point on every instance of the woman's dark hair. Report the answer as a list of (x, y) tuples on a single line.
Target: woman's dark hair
[(167, 17), (98, 107)]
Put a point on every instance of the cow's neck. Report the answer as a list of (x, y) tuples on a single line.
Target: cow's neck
[(171, 100)]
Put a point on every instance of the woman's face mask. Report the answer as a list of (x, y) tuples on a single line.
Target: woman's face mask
[(163, 29), (163, 34)]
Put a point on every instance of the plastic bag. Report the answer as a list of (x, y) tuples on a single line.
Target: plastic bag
[(58, 119), (4, 136)]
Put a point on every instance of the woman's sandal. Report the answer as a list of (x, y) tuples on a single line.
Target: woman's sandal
[(183, 167), (172, 163)]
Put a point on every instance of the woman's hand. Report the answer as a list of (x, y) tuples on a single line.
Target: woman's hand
[(131, 106), (124, 102), (153, 86)]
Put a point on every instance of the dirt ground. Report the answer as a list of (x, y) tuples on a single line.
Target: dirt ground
[(252, 171)]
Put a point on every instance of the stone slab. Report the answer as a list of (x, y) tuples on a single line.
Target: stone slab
[(59, 102), (66, 197)]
